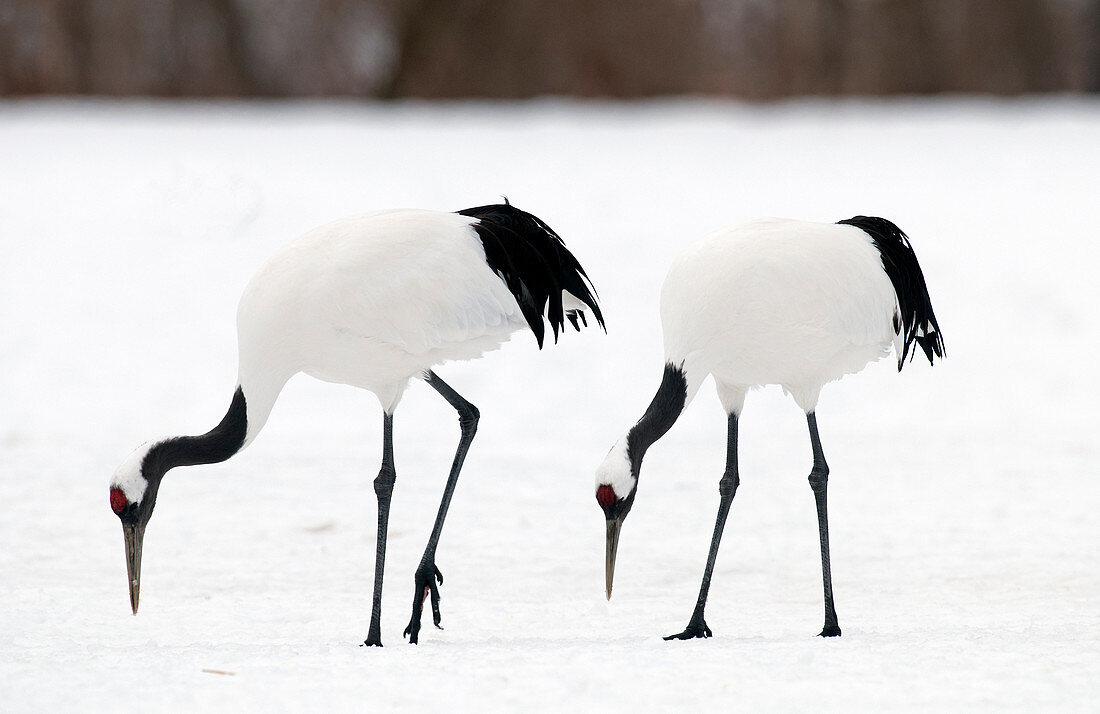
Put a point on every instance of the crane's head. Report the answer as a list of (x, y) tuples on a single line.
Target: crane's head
[(133, 493), (616, 484)]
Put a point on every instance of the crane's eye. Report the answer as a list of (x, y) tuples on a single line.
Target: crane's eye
[(118, 500), (605, 495)]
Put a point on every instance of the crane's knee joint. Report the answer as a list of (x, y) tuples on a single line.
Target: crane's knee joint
[(468, 418), (729, 483), (383, 483), (819, 477)]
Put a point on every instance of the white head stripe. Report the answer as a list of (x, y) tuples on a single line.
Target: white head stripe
[(615, 470), (127, 476)]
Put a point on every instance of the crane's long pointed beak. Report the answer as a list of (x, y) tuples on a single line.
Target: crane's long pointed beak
[(133, 536), (613, 525)]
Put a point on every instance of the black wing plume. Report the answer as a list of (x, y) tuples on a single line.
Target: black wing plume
[(534, 263), (915, 322)]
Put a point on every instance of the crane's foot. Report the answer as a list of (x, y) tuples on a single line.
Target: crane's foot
[(425, 586), (830, 631), (695, 628), (374, 638)]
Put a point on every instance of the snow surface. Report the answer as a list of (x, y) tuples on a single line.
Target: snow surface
[(963, 497)]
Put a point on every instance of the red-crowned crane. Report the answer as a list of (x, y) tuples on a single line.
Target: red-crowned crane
[(773, 301), (374, 301)]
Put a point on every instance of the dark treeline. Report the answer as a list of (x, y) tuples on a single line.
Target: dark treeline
[(757, 49)]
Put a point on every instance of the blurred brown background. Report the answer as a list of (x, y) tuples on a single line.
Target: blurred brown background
[(757, 49)]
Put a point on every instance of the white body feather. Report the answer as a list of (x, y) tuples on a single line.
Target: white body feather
[(371, 301), (777, 301), (771, 301)]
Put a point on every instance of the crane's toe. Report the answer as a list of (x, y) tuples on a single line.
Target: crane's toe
[(425, 586), (693, 630), (830, 631)]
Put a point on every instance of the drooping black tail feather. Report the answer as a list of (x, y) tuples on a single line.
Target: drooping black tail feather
[(534, 263), (914, 321)]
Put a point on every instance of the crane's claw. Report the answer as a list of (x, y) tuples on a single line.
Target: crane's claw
[(425, 586), (693, 630)]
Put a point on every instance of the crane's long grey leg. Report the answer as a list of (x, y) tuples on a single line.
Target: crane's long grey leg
[(819, 481), (727, 486), (427, 574), (383, 489)]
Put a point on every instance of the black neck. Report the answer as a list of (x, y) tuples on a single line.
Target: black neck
[(216, 445), (662, 413)]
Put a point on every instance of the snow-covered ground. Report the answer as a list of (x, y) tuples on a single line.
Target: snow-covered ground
[(963, 497)]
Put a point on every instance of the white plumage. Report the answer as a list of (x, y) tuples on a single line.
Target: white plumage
[(374, 301), (772, 301), (777, 301)]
